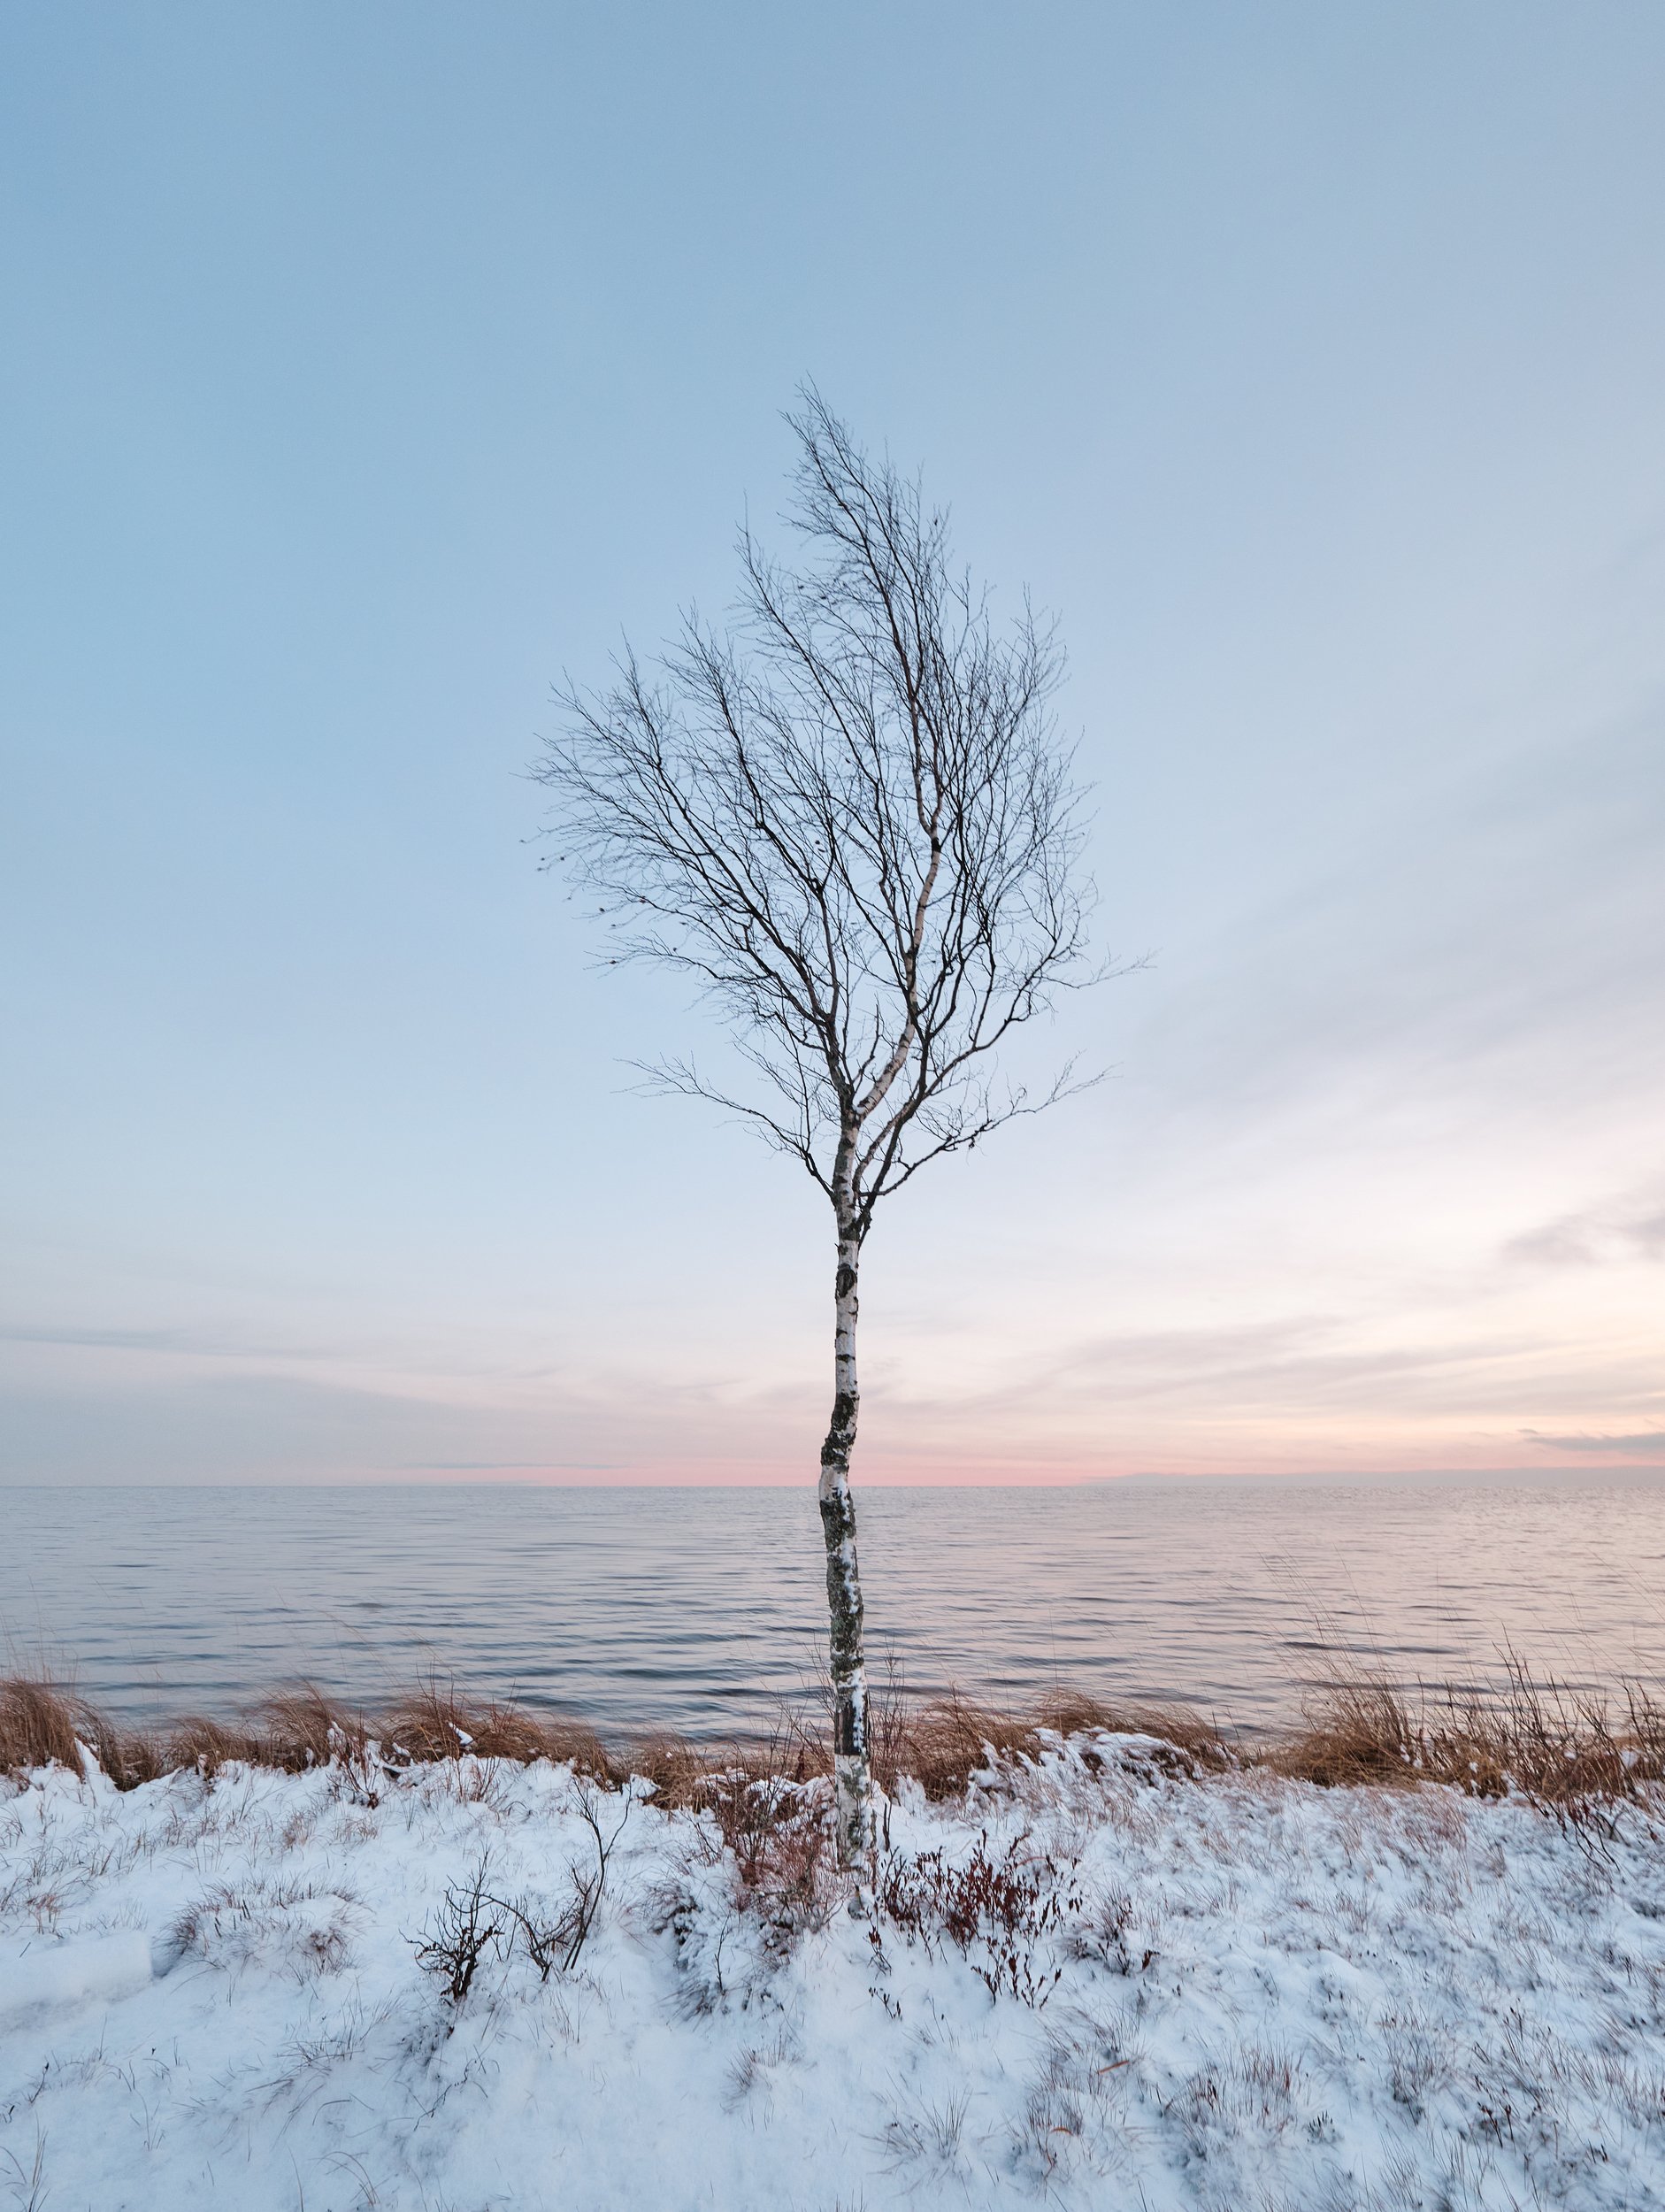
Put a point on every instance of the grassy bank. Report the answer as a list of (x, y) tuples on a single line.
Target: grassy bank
[(1575, 1751), (449, 1957)]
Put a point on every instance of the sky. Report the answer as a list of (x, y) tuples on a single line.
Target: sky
[(370, 369)]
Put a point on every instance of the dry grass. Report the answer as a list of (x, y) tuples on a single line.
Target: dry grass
[(939, 1743), (43, 1722), (1571, 1751), (679, 1768), (39, 1724), (432, 1722), (942, 1743), (1562, 1748)]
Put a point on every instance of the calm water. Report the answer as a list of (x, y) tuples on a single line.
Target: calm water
[(699, 1608)]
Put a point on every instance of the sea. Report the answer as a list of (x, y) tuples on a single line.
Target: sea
[(702, 1609)]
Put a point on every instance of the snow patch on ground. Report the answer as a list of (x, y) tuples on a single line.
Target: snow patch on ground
[(1224, 1993), (41, 1976)]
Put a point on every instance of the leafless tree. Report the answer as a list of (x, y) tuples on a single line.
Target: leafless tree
[(848, 818)]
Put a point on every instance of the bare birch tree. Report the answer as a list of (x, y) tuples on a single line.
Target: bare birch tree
[(848, 819)]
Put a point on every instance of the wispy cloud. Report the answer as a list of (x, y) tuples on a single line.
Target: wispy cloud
[(1649, 1444), (1600, 1237), (509, 1466), (104, 1340), (173, 1343)]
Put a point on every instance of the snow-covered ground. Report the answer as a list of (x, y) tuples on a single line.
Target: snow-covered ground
[(1233, 1992)]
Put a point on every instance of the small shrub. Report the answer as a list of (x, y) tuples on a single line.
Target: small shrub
[(994, 1911), (552, 1937), (565, 1939), (772, 1815), (768, 1798), (469, 1926), (474, 1923)]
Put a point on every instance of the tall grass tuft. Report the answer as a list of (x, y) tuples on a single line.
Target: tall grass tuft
[(44, 1723), (41, 1724), (1561, 1747), (429, 1721)]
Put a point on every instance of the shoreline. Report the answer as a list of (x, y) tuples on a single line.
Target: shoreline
[(1574, 1749)]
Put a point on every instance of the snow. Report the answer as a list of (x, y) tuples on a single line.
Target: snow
[(1245, 1994), (39, 1975)]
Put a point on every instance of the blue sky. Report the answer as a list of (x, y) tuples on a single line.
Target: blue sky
[(370, 367)]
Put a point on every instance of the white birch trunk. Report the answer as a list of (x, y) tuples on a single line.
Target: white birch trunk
[(852, 1769)]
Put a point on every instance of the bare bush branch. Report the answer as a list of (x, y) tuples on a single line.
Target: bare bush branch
[(466, 1928)]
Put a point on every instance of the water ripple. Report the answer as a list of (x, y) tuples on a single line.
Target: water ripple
[(698, 1607)]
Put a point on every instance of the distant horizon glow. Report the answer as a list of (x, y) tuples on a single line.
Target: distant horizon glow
[(1457, 1477)]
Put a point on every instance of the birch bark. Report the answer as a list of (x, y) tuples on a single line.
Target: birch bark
[(852, 1769)]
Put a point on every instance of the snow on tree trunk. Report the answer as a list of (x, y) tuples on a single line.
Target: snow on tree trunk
[(852, 1769)]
